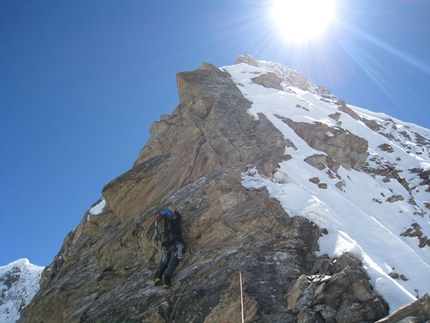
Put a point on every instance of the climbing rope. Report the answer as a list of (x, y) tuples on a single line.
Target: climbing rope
[(240, 282), (239, 261), (239, 265)]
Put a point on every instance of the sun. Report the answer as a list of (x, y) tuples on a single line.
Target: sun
[(302, 20)]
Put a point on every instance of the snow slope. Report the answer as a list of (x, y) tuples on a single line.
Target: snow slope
[(358, 217), (19, 282)]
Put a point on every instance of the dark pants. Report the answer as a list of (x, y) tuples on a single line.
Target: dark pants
[(169, 261)]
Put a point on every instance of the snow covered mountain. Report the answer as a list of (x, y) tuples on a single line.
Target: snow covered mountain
[(379, 211), (19, 282), (273, 175)]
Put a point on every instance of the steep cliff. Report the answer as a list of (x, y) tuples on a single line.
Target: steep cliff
[(197, 158)]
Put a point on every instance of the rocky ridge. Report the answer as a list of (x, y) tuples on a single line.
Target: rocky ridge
[(196, 158)]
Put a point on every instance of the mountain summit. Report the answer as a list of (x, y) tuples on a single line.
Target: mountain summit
[(19, 282), (296, 207)]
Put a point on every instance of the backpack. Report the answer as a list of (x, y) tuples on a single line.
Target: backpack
[(163, 226)]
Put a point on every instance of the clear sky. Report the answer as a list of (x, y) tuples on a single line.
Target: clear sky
[(82, 81)]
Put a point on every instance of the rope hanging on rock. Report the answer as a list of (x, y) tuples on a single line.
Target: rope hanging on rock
[(240, 281)]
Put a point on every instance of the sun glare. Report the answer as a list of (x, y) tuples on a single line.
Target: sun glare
[(302, 20)]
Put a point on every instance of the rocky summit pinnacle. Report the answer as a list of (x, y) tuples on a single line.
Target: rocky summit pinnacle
[(218, 158)]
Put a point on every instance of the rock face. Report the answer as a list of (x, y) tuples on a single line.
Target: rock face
[(416, 312), (194, 159), (339, 293), (339, 144)]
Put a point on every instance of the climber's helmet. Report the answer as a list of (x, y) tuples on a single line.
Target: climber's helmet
[(169, 213)]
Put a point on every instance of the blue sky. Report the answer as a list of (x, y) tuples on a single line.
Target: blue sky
[(82, 81)]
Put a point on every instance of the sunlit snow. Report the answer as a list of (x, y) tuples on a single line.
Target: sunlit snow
[(96, 209), (19, 282), (355, 222)]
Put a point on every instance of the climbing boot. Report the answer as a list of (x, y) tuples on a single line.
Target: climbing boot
[(157, 281)]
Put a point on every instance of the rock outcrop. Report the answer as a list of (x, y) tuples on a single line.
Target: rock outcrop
[(195, 159), (345, 148), (416, 312), (339, 292)]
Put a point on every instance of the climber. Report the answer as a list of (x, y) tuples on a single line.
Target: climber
[(168, 226)]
